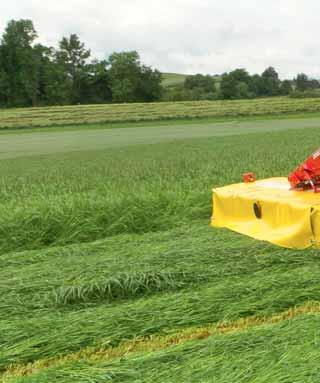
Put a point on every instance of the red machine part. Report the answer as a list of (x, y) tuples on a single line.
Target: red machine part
[(307, 175), (249, 177)]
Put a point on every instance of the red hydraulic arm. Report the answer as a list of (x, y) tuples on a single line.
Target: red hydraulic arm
[(307, 175)]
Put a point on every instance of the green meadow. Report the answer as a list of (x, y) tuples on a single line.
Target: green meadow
[(110, 271)]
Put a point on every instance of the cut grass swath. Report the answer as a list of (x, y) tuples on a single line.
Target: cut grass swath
[(111, 113), (146, 347)]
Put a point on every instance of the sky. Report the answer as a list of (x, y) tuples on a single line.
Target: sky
[(185, 36)]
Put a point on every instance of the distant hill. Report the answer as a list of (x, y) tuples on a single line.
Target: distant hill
[(172, 79)]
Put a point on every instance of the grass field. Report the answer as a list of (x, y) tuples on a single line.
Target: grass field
[(109, 270)]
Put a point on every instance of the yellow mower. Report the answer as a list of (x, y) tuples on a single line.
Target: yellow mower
[(283, 211)]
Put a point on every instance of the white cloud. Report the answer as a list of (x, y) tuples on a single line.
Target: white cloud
[(186, 36)]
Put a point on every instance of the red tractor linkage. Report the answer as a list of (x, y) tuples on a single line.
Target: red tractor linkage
[(307, 175)]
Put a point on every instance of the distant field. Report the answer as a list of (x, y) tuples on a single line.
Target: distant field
[(171, 79), (64, 140), (111, 113), (109, 271)]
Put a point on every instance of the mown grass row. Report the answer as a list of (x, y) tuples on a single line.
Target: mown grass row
[(86, 114), (283, 352), (147, 345)]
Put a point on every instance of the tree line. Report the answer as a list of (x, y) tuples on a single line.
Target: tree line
[(32, 74), (239, 84)]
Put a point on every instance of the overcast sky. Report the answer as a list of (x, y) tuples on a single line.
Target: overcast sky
[(186, 36)]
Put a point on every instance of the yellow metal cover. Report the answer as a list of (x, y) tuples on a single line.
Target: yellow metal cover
[(281, 216)]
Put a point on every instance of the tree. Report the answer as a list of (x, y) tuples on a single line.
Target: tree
[(270, 83), (242, 90), (228, 87), (72, 56), (240, 75), (256, 85), (124, 75), (302, 82), (149, 87), (4, 81), (98, 89), (235, 84), (199, 87), (53, 81), (18, 67), (33, 74), (199, 81), (313, 84), (130, 81), (285, 87)]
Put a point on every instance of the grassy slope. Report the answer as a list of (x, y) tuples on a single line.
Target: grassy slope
[(59, 300), (172, 79)]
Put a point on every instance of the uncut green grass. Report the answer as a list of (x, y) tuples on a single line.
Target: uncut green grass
[(65, 139), (285, 352), (148, 209), (83, 196)]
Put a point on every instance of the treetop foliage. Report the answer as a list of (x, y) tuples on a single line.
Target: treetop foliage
[(32, 74)]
